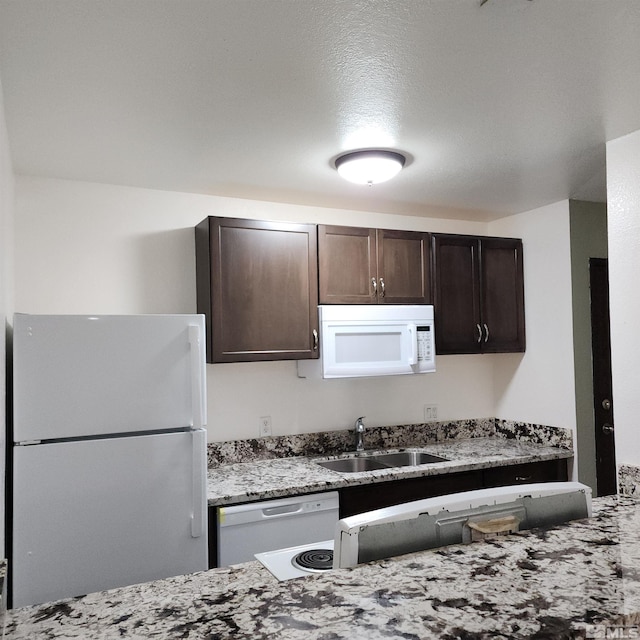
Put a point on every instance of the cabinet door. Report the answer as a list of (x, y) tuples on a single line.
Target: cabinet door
[(502, 298), (403, 267), (456, 294), (347, 265), (257, 285), (545, 471), (367, 497)]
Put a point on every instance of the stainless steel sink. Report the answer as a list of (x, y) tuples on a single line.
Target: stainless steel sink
[(353, 465), (407, 458), (356, 463)]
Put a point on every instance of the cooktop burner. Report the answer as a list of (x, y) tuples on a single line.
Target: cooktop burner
[(314, 560)]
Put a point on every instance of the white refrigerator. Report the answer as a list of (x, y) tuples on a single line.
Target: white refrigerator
[(107, 477)]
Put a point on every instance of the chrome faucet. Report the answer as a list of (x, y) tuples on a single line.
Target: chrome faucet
[(359, 429)]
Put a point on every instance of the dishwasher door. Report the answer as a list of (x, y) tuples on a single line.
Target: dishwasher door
[(246, 529)]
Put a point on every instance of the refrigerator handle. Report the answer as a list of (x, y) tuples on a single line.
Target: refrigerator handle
[(197, 376), (199, 467)]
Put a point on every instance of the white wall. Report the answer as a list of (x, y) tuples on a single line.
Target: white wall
[(89, 248), (538, 386), (6, 280), (623, 203)]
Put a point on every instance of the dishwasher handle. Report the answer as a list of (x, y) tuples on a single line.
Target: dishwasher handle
[(272, 510), (283, 510)]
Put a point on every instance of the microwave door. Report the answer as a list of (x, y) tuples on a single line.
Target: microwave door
[(360, 350)]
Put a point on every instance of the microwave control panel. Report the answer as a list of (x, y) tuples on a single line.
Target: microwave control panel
[(425, 344)]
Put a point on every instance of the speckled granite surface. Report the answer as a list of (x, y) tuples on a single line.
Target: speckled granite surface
[(405, 435), (244, 482), (572, 581), (629, 480)]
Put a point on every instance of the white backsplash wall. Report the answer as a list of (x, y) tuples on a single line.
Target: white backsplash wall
[(461, 388), (90, 248)]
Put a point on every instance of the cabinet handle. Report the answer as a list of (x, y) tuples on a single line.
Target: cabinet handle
[(607, 428), (315, 340), (522, 478), (486, 332), (479, 333), (381, 287), (374, 284)]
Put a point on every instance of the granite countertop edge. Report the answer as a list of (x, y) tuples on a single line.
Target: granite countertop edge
[(243, 482)]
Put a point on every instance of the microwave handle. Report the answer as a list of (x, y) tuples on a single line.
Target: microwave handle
[(413, 334)]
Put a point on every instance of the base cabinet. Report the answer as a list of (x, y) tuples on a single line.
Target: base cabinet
[(547, 471), (367, 497), (212, 531)]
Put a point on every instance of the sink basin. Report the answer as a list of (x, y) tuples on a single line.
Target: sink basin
[(407, 458), (354, 463)]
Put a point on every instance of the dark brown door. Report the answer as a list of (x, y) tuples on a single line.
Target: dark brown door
[(602, 385), (502, 295), (456, 294), (263, 292), (403, 267), (347, 265)]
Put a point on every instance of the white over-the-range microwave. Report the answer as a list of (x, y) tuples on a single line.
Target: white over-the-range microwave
[(358, 341)]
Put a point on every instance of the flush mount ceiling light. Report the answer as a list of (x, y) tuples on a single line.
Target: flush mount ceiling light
[(369, 166)]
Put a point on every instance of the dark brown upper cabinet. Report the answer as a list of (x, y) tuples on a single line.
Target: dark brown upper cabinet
[(373, 266), (257, 286), (478, 294)]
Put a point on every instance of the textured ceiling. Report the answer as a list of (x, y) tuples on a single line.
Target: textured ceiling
[(500, 108)]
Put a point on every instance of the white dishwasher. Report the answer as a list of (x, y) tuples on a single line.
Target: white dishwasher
[(246, 529)]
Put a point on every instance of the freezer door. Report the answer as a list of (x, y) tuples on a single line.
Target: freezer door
[(98, 514), (92, 375)]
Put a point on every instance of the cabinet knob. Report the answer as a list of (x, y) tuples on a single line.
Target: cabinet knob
[(382, 287), (607, 428)]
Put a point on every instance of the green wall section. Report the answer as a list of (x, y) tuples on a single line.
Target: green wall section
[(588, 230)]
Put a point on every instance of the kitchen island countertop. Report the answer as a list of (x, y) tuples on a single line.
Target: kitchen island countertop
[(571, 581), (281, 477)]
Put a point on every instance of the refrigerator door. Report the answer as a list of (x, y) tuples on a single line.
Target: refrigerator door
[(80, 376), (97, 514)]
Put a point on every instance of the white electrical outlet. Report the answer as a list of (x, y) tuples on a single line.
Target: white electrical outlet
[(264, 426), (430, 412)]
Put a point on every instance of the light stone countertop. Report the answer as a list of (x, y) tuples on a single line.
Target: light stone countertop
[(280, 477), (571, 581)]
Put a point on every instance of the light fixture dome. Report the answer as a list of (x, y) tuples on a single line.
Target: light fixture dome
[(369, 166)]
